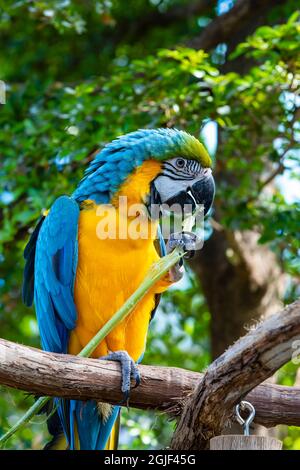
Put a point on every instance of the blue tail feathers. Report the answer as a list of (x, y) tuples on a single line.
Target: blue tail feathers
[(81, 424)]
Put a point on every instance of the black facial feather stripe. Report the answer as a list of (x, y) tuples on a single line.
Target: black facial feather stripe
[(188, 172), (195, 166), (191, 166), (176, 177), (178, 171)]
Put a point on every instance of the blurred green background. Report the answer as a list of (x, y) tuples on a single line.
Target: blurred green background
[(79, 73)]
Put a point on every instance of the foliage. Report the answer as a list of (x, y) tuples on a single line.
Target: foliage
[(76, 78)]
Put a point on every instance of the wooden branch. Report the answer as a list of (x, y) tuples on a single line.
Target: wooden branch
[(225, 26), (275, 404), (162, 388), (63, 375), (250, 361)]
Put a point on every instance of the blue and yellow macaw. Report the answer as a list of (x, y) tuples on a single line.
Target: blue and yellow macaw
[(78, 280)]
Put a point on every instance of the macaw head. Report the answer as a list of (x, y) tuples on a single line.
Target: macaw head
[(175, 165)]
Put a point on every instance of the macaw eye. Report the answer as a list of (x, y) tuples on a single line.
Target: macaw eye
[(180, 162)]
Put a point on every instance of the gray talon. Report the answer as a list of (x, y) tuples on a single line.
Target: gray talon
[(128, 369), (186, 240)]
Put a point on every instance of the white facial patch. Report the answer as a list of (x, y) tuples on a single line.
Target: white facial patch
[(167, 187), (178, 175)]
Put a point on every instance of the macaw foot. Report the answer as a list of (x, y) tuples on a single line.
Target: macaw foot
[(128, 370), (188, 242)]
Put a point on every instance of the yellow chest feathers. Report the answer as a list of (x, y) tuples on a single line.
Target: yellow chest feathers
[(112, 266)]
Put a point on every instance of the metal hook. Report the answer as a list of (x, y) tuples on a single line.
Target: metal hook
[(245, 405)]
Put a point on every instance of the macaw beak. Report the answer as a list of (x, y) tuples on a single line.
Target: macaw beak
[(204, 191), (201, 192), (181, 196)]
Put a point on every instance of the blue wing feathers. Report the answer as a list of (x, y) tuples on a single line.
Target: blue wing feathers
[(29, 255), (51, 262), (49, 335), (54, 273), (65, 274)]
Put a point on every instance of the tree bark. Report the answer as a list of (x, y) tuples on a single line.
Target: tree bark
[(241, 19), (251, 360), (162, 388), (241, 280), (205, 403)]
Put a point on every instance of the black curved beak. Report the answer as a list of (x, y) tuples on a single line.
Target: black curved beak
[(204, 192), (201, 192), (183, 200)]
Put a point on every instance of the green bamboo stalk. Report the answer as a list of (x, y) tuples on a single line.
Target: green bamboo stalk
[(155, 273)]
